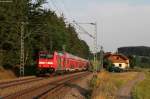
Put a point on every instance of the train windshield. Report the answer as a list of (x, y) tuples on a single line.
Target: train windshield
[(49, 56)]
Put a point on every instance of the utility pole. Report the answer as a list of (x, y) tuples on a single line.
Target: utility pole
[(95, 46), (22, 50), (101, 58)]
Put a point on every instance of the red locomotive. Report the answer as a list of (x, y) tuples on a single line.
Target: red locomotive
[(60, 61)]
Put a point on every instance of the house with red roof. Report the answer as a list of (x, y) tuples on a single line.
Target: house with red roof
[(119, 60)]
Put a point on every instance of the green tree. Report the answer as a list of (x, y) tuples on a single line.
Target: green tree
[(44, 31)]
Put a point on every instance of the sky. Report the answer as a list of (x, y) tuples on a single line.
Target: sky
[(120, 22)]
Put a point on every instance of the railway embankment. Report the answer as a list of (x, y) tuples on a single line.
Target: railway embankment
[(6, 74)]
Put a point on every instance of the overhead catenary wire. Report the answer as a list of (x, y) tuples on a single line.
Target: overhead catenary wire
[(84, 31), (72, 21), (61, 10)]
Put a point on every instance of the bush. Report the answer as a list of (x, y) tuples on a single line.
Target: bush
[(115, 69), (7, 66), (30, 70)]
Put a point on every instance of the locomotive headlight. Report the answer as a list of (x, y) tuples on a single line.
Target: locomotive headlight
[(50, 63), (41, 62)]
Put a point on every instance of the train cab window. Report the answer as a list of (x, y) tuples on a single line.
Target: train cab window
[(46, 56), (42, 56), (49, 56)]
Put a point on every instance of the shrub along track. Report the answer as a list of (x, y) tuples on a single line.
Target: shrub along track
[(125, 91), (48, 87)]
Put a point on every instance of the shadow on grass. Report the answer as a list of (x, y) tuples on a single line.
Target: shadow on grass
[(84, 92)]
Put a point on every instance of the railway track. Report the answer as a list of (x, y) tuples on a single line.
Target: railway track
[(58, 86), (18, 82), (43, 90), (14, 80)]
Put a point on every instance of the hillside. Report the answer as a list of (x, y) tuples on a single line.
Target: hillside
[(137, 50), (139, 54)]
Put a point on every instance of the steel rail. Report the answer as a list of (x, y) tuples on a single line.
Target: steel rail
[(52, 85), (19, 82), (15, 80), (58, 87)]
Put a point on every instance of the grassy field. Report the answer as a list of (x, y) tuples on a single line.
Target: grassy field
[(105, 85), (142, 90)]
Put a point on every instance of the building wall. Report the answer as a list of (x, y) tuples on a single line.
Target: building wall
[(121, 65)]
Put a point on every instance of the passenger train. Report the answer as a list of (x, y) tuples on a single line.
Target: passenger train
[(60, 62)]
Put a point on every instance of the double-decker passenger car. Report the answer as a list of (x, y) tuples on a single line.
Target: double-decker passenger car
[(60, 61)]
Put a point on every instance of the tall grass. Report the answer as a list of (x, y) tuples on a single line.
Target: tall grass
[(105, 85)]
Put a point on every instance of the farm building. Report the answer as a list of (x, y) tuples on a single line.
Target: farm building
[(119, 60)]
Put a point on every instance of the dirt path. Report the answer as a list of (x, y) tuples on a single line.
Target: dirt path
[(125, 91)]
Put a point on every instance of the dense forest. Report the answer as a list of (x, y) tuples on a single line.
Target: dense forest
[(140, 55), (44, 31)]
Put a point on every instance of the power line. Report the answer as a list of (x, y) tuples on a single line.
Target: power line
[(75, 24), (84, 31)]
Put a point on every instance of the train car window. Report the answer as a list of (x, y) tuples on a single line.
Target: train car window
[(67, 61), (80, 66)]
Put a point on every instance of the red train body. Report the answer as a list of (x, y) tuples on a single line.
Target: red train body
[(59, 61)]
